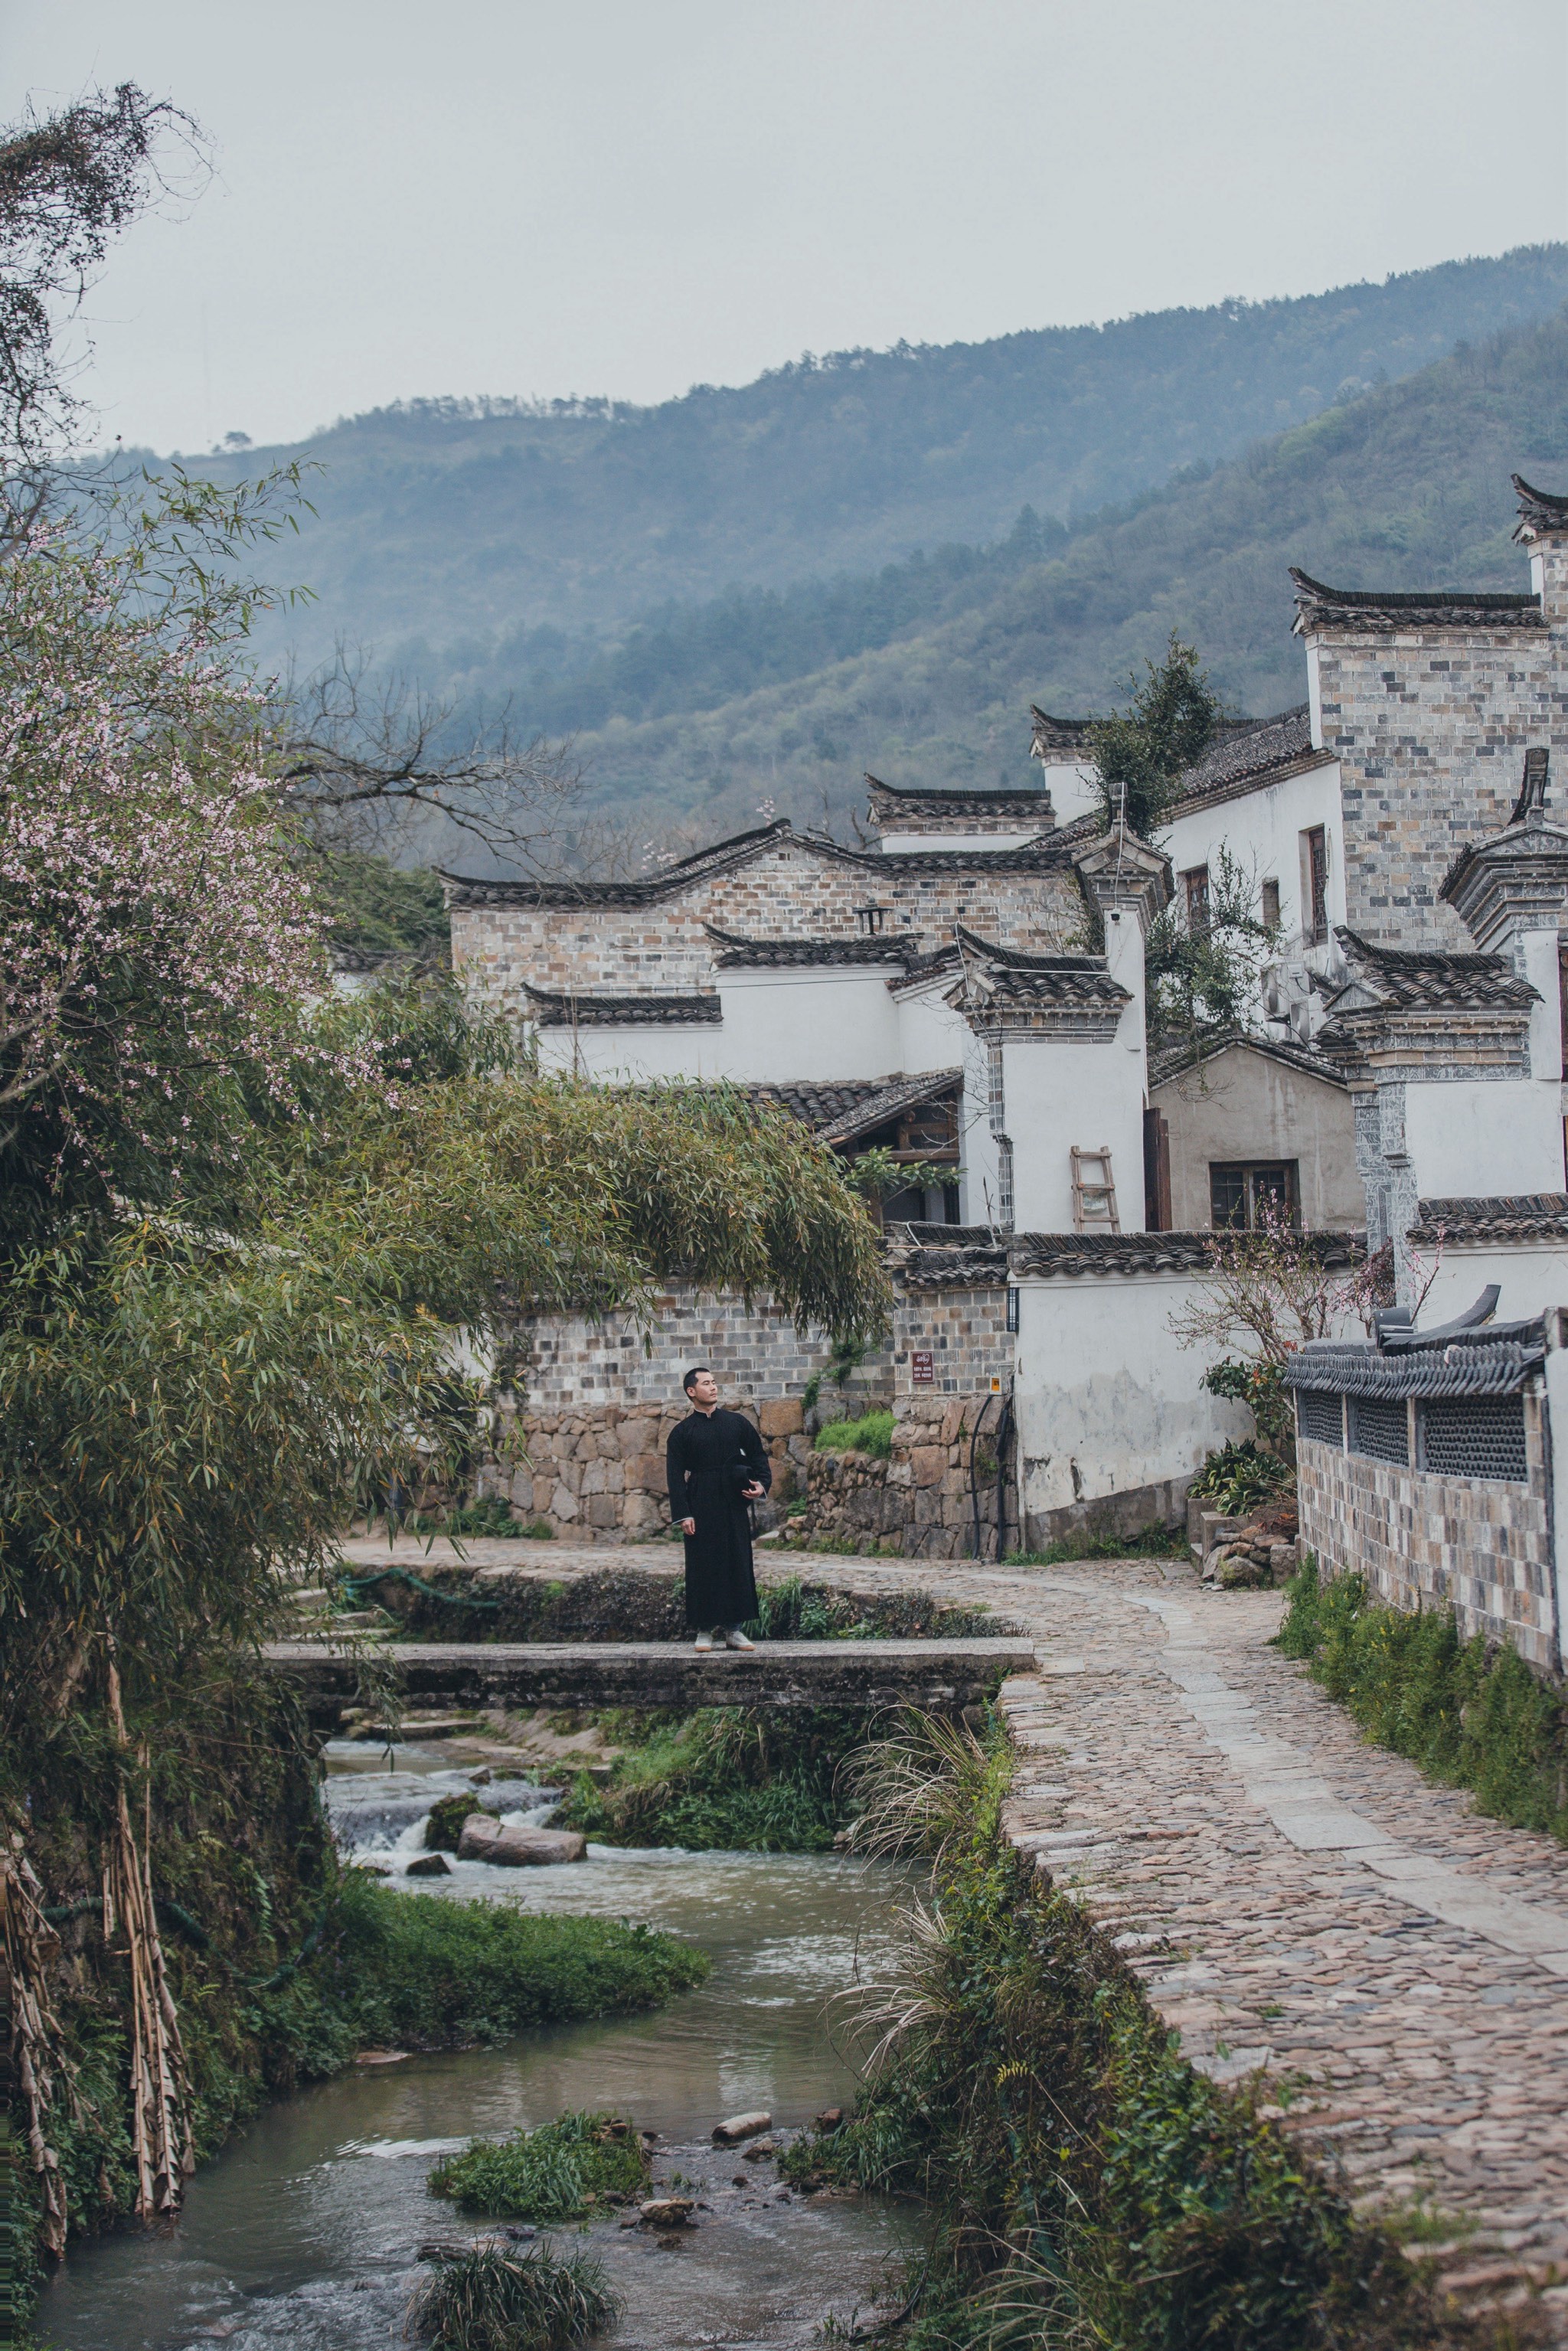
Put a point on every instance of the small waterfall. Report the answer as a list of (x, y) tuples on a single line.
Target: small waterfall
[(380, 1816)]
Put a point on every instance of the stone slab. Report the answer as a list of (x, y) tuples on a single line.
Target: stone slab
[(937, 1675)]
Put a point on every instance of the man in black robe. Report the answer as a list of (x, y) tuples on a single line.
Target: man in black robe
[(716, 1464)]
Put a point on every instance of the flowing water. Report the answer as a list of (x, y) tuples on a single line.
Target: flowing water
[(303, 2234)]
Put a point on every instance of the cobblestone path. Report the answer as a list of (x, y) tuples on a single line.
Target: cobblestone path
[(1296, 1899)]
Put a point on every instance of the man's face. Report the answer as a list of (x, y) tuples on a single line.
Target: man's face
[(704, 1390)]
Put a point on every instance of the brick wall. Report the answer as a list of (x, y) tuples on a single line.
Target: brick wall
[(756, 1354), (787, 892), (918, 1503), (1482, 1545), (1430, 727), (596, 1474), (964, 1330)]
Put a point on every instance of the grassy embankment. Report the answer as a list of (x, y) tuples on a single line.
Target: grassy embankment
[(1470, 1716), (755, 1780), (1085, 2184), (281, 1964)]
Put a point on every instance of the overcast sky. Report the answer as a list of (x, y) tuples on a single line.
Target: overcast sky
[(630, 196)]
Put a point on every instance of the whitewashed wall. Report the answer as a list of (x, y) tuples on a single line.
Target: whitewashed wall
[(1262, 831), (1470, 1135), (1532, 1275), (1108, 1401), (633, 1053)]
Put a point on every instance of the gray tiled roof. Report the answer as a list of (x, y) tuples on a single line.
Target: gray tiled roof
[(1048, 855), (1015, 977), (1169, 1061), (738, 954), (1066, 735), (1246, 754), (1422, 981), (839, 1110), (1539, 510), (1375, 611), (591, 1012), (1496, 1216), (1032, 801), (1055, 1254)]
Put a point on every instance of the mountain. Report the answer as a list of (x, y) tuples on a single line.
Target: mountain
[(454, 537), (1405, 485)]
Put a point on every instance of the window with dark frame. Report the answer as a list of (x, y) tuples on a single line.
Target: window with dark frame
[(1194, 881), (869, 920), (1004, 1183), (1315, 885), (1239, 1189), (1270, 905)]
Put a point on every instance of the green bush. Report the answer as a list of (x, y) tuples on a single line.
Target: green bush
[(554, 2173), (488, 2300), (1473, 1717), (493, 1516), (1240, 1477), (420, 1970), (872, 1432)]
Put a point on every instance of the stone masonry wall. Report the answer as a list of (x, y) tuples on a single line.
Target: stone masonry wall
[(1430, 727), (1482, 1545), (918, 1502), (597, 1473), (788, 891)]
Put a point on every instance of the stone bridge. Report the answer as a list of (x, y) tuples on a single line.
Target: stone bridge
[(939, 1676)]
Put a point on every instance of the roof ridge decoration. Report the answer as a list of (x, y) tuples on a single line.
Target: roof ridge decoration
[(1541, 513), (1049, 1256), (1063, 992), (1374, 611), (564, 1008), (740, 953), (1043, 854), (1008, 800)]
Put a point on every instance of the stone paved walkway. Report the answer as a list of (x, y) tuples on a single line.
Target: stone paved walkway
[(1296, 1899)]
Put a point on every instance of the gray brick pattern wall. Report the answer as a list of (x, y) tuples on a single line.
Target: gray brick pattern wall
[(1481, 1545), (756, 1354), (966, 1333), (1430, 727)]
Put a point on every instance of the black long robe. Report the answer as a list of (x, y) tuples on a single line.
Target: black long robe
[(703, 1460)]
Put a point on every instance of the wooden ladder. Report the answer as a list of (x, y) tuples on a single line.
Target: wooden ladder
[(1093, 1203)]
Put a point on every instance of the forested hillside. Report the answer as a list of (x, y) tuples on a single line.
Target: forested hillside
[(511, 540), (1401, 486)]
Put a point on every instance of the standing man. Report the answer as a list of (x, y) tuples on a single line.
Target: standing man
[(717, 1465)]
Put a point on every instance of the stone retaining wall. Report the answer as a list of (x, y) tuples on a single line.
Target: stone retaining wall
[(597, 1473), (917, 1502)]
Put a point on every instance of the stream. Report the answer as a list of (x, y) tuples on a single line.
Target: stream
[(302, 2235)]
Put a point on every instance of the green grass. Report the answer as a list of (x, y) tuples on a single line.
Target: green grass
[(488, 2300), (493, 1516), (420, 1970), (557, 2172), (872, 1432), (1086, 2185), (1153, 1542), (1470, 1717), (725, 1778), (1240, 1477)]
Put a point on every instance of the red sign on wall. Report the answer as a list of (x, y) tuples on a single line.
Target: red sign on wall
[(922, 1367)]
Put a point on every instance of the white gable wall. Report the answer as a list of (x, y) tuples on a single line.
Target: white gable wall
[(1059, 1092), (1262, 831), (634, 1053), (825, 1023), (1469, 1135)]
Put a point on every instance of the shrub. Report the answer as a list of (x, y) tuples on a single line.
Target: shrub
[(872, 1432), (488, 2300), (554, 2173), (1472, 1717), (725, 1779), (1239, 1477)]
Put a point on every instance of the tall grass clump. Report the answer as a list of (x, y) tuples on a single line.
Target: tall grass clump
[(872, 1432), (1086, 2185), (730, 1779), (488, 2300), (555, 2173), (1472, 1716)]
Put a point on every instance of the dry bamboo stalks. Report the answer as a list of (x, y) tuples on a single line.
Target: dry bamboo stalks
[(160, 2088), (26, 1938)]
